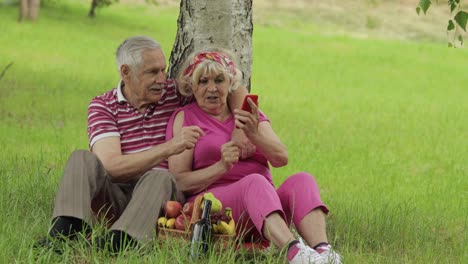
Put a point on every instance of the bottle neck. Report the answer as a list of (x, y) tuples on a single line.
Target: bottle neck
[(206, 209)]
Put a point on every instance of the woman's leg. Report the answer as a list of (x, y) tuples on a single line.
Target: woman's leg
[(276, 230), (300, 198), (254, 202), (313, 228), (256, 198)]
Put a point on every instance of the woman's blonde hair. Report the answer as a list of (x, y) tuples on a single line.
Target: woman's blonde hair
[(192, 69)]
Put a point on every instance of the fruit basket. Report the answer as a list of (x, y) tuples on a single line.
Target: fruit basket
[(166, 233)]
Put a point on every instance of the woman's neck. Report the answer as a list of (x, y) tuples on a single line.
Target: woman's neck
[(220, 114)]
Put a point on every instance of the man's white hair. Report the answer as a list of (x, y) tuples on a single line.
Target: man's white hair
[(131, 50)]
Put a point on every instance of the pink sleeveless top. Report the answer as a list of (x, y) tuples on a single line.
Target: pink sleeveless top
[(208, 148)]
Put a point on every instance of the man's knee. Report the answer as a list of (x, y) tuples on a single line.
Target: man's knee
[(84, 164), (160, 177), (162, 182), (81, 155)]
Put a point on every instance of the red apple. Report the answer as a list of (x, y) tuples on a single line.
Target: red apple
[(182, 222), (179, 222), (188, 208), (172, 209)]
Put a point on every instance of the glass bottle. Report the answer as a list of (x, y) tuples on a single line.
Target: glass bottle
[(201, 233)]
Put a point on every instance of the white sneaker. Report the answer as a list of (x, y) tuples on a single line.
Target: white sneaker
[(306, 255), (330, 255)]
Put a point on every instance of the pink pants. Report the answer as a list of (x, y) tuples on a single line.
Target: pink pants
[(253, 198)]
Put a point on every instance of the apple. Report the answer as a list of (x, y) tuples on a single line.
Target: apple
[(172, 209), (188, 208), (179, 222), (182, 222)]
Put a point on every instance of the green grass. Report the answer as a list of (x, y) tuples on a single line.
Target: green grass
[(382, 125)]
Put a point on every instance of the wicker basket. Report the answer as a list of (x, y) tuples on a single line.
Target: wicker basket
[(165, 233)]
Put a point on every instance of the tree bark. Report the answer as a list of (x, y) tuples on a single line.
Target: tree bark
[(205, 24), (29, 10), (24, 7), (34, 6)]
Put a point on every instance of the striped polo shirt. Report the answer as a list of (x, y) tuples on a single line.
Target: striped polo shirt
[(111, 115)]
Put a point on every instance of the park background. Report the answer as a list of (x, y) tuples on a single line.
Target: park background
[(366, 95)]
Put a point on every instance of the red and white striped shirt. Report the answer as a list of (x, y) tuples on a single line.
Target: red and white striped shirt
[(111, 115)]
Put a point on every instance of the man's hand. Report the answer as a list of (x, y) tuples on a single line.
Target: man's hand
[(186, 139), (229, 154)]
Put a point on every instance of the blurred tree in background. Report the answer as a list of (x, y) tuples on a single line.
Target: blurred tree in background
[(29, 9), (99, 3)]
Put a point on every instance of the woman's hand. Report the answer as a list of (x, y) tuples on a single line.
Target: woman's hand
[(229, 155), (262, 135), (246, 148), (246, 121)]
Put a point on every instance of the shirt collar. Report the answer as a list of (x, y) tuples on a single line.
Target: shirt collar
[(120, 96)]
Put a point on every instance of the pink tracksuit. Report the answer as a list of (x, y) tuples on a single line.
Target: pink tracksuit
[(248, 187)]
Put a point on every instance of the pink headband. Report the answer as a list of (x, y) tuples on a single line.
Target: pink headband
[(214, 56)]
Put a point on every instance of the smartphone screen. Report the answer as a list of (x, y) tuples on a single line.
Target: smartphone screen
[(245, 104)]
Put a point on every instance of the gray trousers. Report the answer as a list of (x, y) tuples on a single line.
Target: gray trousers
[(134, 207)]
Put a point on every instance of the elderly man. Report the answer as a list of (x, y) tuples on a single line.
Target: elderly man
[(126, 167)]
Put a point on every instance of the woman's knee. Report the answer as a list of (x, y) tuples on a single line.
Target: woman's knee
[(254, 179), (298, 184), (302, 177), (254, 186)]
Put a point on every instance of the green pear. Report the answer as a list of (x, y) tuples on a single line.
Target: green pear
[(216, 204)]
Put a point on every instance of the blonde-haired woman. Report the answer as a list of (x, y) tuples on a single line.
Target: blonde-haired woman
[(245, 185)]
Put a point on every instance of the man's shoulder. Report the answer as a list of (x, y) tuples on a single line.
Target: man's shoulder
[(106, 102), (171, 83), (109, 97), (172, 94), (171, 88), (170, 97)]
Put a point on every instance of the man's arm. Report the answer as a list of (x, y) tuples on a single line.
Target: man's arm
[(236, 98), (123, 168)]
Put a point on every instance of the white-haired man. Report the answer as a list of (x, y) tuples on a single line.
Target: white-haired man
[(126, 169)]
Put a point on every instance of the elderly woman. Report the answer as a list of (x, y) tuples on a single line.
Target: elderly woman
[(245, 185)]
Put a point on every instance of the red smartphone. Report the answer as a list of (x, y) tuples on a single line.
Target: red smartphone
[(245, 104)]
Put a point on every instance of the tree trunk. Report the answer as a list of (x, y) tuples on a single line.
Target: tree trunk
[(34, 6), (24, 10), (29, 9), (92, 11), (222, 23)]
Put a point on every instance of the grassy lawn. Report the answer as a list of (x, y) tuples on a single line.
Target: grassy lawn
[(381, 124)]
